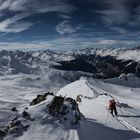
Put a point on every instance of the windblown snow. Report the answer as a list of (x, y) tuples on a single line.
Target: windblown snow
[(98, 124)]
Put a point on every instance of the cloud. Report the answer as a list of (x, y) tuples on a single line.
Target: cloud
[(114, 17), (114, 13), (116, 22), (77, 42), (118, 15), (110, 43), (66, 27), (36, 6), (69, 42), (42, 6), (5, 4), (107, 42), (26, 8), (12, 24), (18, 27), (24, 45), (64, 16), (120, 30)]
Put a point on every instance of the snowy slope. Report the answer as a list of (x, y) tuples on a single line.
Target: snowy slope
[(119, 53), (98, 123), (95, 110), (126, 54), (129, 80)]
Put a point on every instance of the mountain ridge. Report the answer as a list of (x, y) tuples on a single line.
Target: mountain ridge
[(101, 63)]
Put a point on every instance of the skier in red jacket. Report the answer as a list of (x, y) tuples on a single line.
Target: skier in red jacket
[(112, 106)]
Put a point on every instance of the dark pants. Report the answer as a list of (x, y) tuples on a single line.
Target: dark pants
[(114, 110)]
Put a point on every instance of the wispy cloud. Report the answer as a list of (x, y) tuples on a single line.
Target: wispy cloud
[(107, 42), (27, 8), (38, 6), (42, 6), (118, 29), (63, 16), (12, 24), (77, 42), (70, 42), (118, 15), (66, 27), (25, 46), (18, 27)]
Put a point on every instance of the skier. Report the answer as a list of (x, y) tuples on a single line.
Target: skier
[(112, 106)]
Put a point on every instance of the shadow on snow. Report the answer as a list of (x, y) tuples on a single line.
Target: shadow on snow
[(89, 129)]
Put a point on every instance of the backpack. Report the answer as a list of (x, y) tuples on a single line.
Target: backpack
[(111, 104)]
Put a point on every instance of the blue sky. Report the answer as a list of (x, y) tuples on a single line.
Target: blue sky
[(69, 24)]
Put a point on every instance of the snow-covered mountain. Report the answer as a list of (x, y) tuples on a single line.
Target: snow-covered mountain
[(118, 53), (98, 123), (105, 75), (100, 63)]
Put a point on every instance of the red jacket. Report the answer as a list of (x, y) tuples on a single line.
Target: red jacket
[(112, 104)]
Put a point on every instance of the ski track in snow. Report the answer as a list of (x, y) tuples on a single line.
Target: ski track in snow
[(124, 123), (127, 125)]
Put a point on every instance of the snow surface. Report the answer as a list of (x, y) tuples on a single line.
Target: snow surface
[(99, 124), (125, 54), (119, 53), (129, 80)]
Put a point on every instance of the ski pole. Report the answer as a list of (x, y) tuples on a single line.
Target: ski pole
[(106, 116), (121, 111)]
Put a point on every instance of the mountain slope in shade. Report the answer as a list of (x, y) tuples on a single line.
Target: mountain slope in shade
[(129, 80)]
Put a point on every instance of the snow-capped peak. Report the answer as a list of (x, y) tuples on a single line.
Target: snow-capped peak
[(81, 87)]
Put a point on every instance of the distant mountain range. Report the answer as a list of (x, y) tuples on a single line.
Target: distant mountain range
[(99, 63)]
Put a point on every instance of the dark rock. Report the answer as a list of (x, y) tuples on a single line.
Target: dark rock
[(65, 108), (11, 127), (65, 118), (25, 114), (14, 109), (55, 105), (17, 125), (2, 133), (40, 98)]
